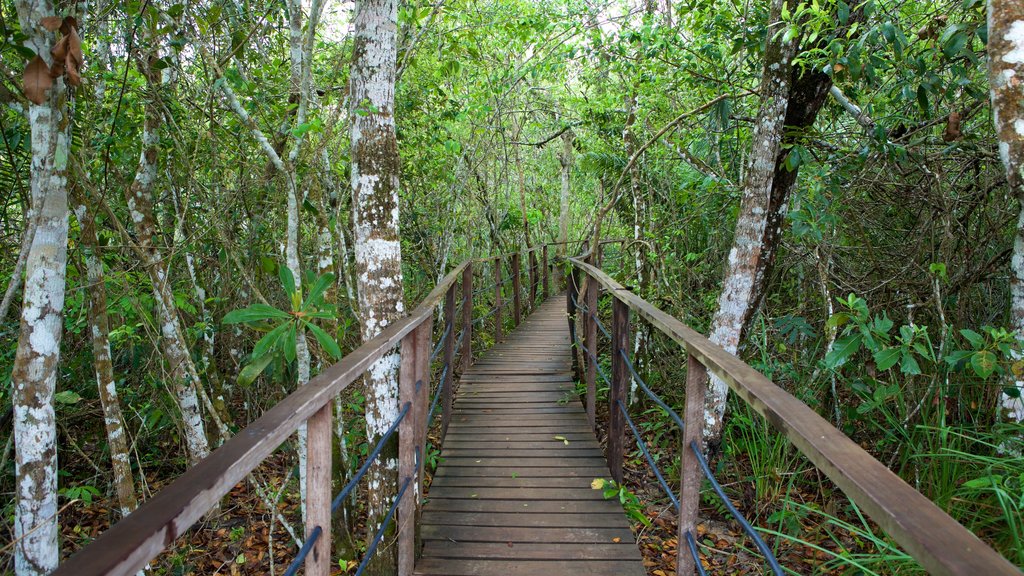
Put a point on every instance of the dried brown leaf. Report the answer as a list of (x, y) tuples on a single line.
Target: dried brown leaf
[(69, 23), (37, 80), (60, 49), (75, 45), (51, 23)]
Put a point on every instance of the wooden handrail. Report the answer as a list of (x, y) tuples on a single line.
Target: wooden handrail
[(925, 531), (127, 546)]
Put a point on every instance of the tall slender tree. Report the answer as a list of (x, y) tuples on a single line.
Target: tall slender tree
[(1006, 79), (36, 364), (378, 254)]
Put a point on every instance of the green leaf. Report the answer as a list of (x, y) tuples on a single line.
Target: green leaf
[(1012, 391), (321, 284), (887, 357), (253, 369), (287, 279), (909, 364), (844, 12), (270, 340), (983, 482), (976, 340), (325, 340), (984, 363), (254, 313), (837, 320), (957, 356), (843, 349), (290, 348), (67, 397)]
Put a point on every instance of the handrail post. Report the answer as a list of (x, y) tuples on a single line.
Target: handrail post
[(690, 472), (546, 272), (571, 297), (318, 490), (590, 338), (413, 388), (517, 303), (533, 279), (498, 328), (467, 317), (617, 394), (449, 360), (407, 453)]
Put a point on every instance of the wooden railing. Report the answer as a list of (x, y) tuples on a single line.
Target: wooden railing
[(130, 544), (939, 543)]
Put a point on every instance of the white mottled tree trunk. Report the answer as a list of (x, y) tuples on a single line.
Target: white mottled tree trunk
[(738, 296), (378, 255), (139, 196), (565, 159), (36, 363), (99, 334), (1006, 77)]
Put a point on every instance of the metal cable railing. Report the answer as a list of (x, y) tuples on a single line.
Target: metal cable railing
[(650, 394), (440, 341), (647, 453), (597, 365), (314, 534), (758, 541)]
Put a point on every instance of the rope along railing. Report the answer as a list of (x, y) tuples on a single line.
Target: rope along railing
[(938, 542), (133, 542)]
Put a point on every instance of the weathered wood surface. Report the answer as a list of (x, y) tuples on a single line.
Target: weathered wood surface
[(510, 497), (936, 540)]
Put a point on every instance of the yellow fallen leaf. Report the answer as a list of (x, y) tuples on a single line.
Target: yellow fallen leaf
[(616, 539), (597, 484)]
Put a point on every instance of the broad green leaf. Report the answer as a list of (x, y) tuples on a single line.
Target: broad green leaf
[(287, 279), (887, 357), (984, 363), (1012, 391), (843, 349), (837, 320), (957, 356), (290, 347), (253, 369), (844, 12), (325, 340), (270, 340), (254, 313), (322, 283), (67, 397), (909, 364), (976, 340)]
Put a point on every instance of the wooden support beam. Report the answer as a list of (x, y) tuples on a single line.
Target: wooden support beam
[(517, 288), (449, 361), (690, 472), (499, 329), (407, 453), (533, 279), (617, 394), (590, 341), (571, 297), (318, 490), (424, 343), (546, 271), (467, 318)]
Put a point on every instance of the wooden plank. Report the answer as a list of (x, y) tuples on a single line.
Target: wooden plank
[(537, 507), (318, 491), (536, 551), (503, 452), (530, 494), (514, 480), (526, 520), (521, 567), (535, 462), (930, 535), (547, 535)]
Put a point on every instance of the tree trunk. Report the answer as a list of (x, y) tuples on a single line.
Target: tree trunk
[(143, 214), (378, 256), (566, 160), (739, 291), (1006, 77), (99, 328), (36, 363)]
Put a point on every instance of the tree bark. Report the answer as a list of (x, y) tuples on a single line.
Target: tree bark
[(1006, 78), (566, 160), (36, 363), (99, 328), (740, 287), (378, 256), (143, 214)]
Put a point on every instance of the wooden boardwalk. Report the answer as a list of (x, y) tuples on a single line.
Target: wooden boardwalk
[(512, 495)]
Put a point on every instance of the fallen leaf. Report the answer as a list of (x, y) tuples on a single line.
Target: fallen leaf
[(37, 80), (616, 539)]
